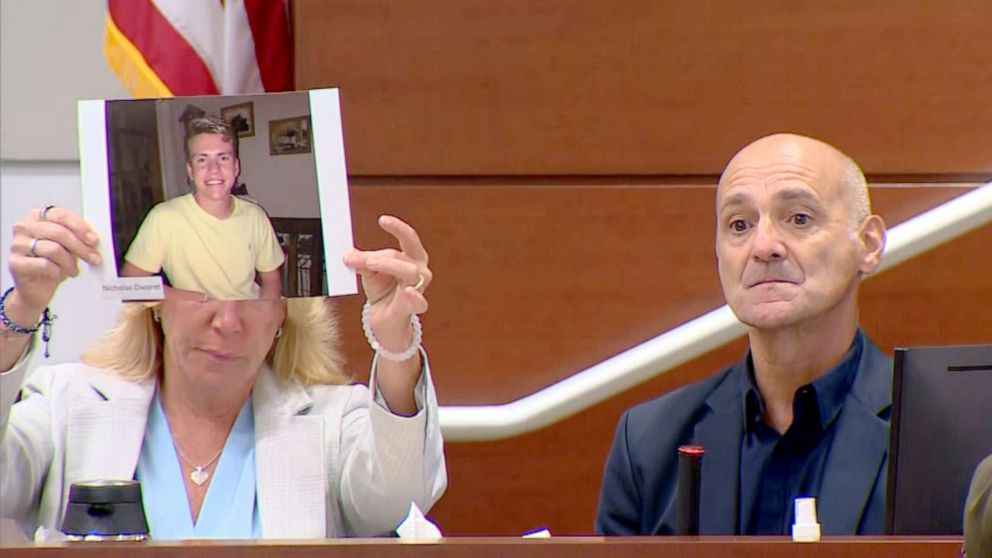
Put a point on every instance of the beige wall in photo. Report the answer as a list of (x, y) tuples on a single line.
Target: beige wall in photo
[(285, 185)]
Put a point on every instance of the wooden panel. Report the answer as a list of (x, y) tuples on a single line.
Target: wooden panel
[(536, 282), (649, 87), (611, 103)]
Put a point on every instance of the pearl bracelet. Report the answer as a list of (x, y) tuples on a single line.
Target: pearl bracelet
[(418, 335)]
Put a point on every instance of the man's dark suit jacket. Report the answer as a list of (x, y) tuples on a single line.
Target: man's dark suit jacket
[(639, 484)]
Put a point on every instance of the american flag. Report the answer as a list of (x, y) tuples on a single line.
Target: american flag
[(165, 48)]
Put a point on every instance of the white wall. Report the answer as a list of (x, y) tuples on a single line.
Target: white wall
[(82, 315), (51, 55)]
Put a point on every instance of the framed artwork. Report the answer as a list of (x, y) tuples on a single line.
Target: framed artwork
[(241, 117), (288, 136), (190, 113)]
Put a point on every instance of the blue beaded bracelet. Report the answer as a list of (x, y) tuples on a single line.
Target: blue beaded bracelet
[(45, 325)]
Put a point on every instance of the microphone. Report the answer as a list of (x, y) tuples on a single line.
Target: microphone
[(689, 476), (105, 510)]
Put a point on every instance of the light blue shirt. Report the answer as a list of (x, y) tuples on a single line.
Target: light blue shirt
[(230, 508)]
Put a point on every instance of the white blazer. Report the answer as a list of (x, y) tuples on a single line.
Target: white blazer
[(330, 462)]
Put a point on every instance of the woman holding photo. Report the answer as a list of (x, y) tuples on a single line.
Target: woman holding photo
[(234, 415)]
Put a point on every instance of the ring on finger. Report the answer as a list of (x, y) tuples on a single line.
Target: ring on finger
[(33, 248), (420, 282), (43, 216)]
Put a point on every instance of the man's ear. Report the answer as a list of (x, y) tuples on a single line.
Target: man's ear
[(189, 172), (871, 235)]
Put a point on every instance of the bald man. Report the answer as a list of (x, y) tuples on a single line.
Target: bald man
[(806, 412)]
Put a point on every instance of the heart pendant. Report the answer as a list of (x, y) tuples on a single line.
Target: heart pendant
[(199, 476)]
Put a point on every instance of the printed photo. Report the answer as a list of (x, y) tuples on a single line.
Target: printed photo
[(203, 207)]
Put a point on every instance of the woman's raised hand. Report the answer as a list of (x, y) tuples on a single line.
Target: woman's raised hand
[(47, 246)]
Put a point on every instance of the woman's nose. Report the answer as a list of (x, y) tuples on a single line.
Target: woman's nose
[(227, 316)]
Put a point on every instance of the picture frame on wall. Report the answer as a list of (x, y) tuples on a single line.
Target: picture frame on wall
[(242, 117), (288, 136), (189, 114)]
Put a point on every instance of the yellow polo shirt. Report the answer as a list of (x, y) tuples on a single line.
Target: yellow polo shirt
[(199, 252)]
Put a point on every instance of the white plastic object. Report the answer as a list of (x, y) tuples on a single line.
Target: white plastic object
[(806, 528)]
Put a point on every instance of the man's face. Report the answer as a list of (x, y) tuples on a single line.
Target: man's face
[(212, 167), (787, 247)]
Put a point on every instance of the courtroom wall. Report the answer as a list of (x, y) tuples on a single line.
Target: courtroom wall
[(559, 160), (51, 55), (649, 87)]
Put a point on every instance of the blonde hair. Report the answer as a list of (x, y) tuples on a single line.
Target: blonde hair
[(306, 353), (210, 125)]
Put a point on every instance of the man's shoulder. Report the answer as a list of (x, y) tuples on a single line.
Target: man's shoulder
[(678, 406), (171, 207), (873, 384), (249, 208)]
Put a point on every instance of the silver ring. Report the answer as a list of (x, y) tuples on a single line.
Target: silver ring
[(44, 212), (420, 282), (32, 248)]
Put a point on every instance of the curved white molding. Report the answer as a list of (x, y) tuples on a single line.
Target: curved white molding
[(941, 224), (688, 341)]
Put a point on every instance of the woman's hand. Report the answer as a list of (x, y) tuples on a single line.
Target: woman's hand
[(394, 282), (45, 250)]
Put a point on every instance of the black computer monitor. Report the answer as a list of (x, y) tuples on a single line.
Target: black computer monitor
[(941, 430)]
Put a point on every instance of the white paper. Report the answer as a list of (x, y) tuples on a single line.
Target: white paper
[(417, 528), (134, 288)]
